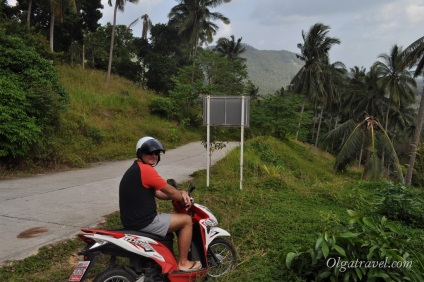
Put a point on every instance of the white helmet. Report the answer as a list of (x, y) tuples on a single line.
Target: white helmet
[(147, 145)]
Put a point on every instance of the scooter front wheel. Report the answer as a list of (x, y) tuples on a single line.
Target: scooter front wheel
[(114, 275), (222, 257)]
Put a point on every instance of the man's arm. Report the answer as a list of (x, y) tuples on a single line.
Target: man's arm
[(160, 195), (171, 193)]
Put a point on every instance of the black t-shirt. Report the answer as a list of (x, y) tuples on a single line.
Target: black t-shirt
[(137, 203)]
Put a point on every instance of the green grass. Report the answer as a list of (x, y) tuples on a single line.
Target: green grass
[(109, 121), (289, 195)]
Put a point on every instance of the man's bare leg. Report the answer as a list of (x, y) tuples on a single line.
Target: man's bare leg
[(183, 224)]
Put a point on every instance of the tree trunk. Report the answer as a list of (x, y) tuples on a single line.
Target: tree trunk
[(415, 142), (385, 128), (360, 155), (387, 116), (300, 120), (319, 127), (109, 67), (51, 29), (83, 56), (29, 13)]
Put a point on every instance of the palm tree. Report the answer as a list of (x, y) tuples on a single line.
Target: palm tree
[(314, 52), (57, 8), (119, 4), (415, 56), (334, 82), (229, 48), (366, 135), (395, 80), (193, 20), (364, 95), (147, 25)]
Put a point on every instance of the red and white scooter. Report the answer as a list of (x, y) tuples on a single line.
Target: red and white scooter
[(151, 258)]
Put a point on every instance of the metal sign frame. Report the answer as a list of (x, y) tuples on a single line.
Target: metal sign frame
[(233, 111)]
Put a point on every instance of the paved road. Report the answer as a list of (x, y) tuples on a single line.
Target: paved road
[(57, 205)]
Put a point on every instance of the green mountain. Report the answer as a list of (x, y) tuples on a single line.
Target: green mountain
[(270, 70)]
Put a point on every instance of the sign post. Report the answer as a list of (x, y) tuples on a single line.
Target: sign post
[(208, 137), (228, 111), (241, 140)]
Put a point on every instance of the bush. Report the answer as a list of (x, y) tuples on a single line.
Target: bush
[(162, 107), (31, 98), (365, 251), (279, 116), (398, 202), (18, 130)]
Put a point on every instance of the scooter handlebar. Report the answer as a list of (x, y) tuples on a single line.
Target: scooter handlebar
[(191, 201)]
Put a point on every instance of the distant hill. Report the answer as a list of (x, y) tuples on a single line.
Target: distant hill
[(270, 70)]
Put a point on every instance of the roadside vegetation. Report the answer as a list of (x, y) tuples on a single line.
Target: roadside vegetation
[(332, 164), (290, 197), (45, 125), (98, 124)]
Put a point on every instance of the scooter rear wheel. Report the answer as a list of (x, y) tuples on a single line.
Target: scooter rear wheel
[(223, 259), (114, 275)]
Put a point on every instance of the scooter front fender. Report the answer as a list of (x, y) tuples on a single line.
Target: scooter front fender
[(218, 232)]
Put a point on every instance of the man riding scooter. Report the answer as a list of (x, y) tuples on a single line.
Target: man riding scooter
[(139, 187)]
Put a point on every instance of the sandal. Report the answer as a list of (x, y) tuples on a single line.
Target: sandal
[(193, 267)]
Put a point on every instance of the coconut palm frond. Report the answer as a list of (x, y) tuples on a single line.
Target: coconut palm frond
[(351, 147), (132, 24), (385, 145), (372, 169), (339, 132), (414, 55)]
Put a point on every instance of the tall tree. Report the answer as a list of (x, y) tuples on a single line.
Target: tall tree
[(57, 8), (314, 52), (415, 57), (167, 53), (334, 78), (395, 79), (195, 21), (229, 48), (73, 24), (227, 76), (363, 95), (147, 25), (119, 4)]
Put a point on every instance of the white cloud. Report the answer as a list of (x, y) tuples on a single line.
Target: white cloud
[(415, 13)]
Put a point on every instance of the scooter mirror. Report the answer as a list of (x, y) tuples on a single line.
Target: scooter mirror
[(172, 182), (191, 188)]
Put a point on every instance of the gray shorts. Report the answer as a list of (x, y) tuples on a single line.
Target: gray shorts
[(159, 225)]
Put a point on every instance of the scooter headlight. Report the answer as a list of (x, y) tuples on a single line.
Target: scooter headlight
[(211, 223)]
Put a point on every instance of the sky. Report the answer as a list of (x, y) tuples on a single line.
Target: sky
[(366, 28)]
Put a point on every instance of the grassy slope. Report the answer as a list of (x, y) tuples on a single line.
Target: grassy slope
[(117, 115), (287, 188)]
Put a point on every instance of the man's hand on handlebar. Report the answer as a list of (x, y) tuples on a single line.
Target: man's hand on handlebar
[(186, 199)]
